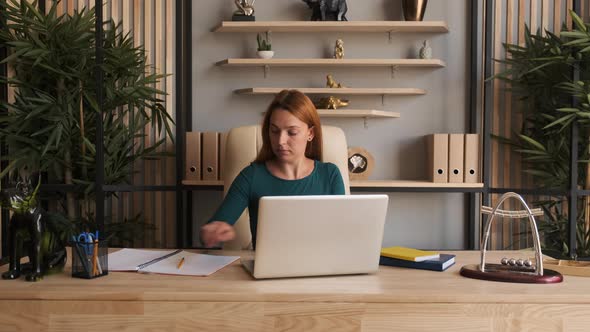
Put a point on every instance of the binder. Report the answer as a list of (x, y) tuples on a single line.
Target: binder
[(222, 140), (192, 169), (438, 157), (471, 166), (210, 150), (456, 142)]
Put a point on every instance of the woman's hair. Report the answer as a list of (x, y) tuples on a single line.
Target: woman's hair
[(300, 106)]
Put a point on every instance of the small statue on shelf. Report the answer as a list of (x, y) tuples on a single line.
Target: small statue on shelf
[(425, 51), (331, 103), (339, 49), (327, 10), (245, 10), (331, 83)]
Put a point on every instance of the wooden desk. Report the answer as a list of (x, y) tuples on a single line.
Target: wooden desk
[(395, 299)]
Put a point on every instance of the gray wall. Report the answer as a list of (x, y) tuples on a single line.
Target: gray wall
[(424, 220)]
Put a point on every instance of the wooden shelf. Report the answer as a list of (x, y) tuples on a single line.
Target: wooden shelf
[(203, 183), (255, 62), (336, 91), (350, 113), (368, 183), (333, 26), (411, 184)]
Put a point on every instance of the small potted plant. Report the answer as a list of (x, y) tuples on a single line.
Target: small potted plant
[(264, 46)]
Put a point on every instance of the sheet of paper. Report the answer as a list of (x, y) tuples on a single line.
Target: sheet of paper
[(194, 264), (128, 259)]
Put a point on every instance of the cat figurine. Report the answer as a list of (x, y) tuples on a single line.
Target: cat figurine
[(29, 234)]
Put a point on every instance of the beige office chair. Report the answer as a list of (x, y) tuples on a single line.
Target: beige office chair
[(242, 146)]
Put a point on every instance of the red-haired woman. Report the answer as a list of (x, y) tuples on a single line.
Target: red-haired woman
[(288, 164)]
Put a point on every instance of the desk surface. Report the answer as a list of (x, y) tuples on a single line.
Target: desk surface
[(233, 283), (230, 300)]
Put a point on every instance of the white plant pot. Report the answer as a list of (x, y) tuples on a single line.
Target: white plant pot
[(266, 54)]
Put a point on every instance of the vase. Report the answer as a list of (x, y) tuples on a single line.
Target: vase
[(414, 9), (266, 54)]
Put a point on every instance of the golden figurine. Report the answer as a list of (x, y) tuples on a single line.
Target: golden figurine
[(331, 83), (331, 103), (339, 49)]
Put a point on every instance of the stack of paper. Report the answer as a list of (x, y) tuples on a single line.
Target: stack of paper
[(167, 262)]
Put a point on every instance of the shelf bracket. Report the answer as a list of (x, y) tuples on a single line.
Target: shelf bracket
[(383, 100), (266, 71), (391, 32), (394, 69), (366, 122)]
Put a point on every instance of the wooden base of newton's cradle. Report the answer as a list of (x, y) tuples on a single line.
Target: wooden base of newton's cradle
[(496, 273)]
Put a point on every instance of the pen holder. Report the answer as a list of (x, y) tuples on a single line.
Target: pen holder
[(89, 260)]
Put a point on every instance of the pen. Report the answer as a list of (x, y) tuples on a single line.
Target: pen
[(180, 263)]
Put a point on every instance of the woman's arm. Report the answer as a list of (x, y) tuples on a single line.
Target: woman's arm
[(219, 228)]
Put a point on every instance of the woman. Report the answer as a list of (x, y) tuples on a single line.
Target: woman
[(288, 164)]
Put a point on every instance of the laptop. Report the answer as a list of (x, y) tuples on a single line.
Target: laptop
[(301, 236)]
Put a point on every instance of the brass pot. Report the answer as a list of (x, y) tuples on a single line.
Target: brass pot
[(414, 9)]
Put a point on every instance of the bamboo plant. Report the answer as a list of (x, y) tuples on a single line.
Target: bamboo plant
[(552, 99), (50, 127)]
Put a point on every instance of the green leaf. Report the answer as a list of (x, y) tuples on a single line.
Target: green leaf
[(532, 142), (578, 21)]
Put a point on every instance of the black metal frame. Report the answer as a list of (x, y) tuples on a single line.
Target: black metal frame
[(184, 118), (572, 192), (183, 105), (99, 143), (3, 149)]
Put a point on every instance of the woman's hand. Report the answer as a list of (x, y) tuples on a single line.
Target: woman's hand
[(217, 231)]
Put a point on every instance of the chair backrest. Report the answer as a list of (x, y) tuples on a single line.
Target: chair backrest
[(242, 146)]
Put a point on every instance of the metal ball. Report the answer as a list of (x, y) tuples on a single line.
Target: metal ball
[(528, 263), (520, 262), (512, 262), (504, 261)]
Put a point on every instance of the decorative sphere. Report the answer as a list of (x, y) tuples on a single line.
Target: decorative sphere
[(520, 262), (512, 261), (528, 263), (504, 261)]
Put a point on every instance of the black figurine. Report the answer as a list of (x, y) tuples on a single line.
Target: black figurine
[(327, 10), (29, 234)]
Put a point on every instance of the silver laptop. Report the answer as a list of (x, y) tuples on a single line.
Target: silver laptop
[(318, 235)]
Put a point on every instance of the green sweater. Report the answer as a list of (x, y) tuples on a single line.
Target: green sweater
[(256, 181)]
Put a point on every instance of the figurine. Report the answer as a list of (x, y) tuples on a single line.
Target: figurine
[(339, 49), (425, 51), (245, 10), (331, 83), (331, 103), (30, 234), (327, 10)]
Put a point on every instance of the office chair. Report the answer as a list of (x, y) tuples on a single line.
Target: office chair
[(242, 146)]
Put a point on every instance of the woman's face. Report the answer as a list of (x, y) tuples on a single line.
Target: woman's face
[(289, 136)]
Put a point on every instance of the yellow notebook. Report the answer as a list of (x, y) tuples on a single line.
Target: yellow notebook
[(409, 254)]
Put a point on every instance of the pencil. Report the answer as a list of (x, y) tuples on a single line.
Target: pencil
[(180, 263), (94, 258)]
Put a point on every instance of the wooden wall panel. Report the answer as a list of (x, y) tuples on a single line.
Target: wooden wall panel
[(152, 24), (510, 18)]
